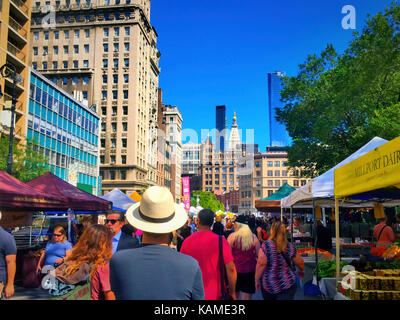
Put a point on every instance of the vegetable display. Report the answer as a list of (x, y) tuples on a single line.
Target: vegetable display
[(327, 269)]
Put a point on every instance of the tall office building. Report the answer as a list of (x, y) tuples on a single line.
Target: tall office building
[(278, 136), (15, 21), (105, 53), (66, 131), (220, 126)]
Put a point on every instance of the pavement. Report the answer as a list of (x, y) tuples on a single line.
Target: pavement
[(41, 294)]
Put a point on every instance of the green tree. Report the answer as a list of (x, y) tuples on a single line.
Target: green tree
[(28, 164), (337, 103), (207, 200)]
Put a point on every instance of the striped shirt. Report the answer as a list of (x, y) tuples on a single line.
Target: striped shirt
[(277, 275)]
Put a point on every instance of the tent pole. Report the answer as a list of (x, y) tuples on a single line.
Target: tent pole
[(315, 242), (337, 239), (323, 217), (291, 222), (281, 214)]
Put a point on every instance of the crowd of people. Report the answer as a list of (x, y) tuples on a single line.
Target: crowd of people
[(156, 251)]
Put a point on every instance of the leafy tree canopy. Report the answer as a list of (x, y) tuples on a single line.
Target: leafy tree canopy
[(28, 164), (207, 200), (339, 102)]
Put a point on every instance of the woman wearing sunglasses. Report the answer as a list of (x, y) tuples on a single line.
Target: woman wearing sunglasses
[(57, 249)]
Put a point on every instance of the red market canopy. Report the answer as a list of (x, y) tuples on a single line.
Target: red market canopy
[(76, 199), (15, 194)]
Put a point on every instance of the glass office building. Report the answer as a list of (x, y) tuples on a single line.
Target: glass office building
[(278, 136), (66, 131)]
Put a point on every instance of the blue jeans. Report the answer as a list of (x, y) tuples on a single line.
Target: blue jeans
[(287, 294)]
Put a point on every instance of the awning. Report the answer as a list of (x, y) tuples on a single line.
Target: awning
[(74, 198), (16, 194)]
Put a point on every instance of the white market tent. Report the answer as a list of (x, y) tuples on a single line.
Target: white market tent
[(321, 188)]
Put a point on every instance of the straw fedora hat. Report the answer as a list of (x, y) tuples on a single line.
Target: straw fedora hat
[(156, 212)]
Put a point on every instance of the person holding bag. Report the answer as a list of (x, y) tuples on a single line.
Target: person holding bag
[(275, 272), (85, 274)]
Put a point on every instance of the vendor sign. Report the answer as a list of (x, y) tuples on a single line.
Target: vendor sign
[(13, 219), (379, 168)]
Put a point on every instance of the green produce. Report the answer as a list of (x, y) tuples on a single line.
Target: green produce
[(327, 268)]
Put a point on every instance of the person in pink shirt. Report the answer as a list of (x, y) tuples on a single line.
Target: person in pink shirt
[(204, 247), (245, 246), (383, 233)]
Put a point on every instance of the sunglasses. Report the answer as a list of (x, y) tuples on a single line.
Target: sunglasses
[(112, 221), (57, 235)]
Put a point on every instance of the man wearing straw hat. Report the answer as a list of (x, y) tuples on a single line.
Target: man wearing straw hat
[(154, 271), (8, 255)]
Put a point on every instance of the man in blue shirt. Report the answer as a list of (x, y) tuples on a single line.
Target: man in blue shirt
[(121, 240), (8, 256)]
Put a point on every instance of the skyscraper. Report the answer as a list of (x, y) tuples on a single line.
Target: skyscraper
[(106, 52), (220, 126), (278, 136)]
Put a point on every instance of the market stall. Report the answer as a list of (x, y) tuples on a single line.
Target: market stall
[(121, 202), (374, 177)]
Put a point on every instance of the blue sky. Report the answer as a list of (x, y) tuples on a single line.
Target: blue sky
[(218, 52)]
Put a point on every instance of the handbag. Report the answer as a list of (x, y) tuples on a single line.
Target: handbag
[(292, 267), (224, 289)]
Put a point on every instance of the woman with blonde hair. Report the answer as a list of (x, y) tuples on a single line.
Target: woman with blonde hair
[(88, 261), (275, 269), (56, 249), (245, 247)]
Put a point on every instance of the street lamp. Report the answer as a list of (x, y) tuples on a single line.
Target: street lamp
[(5, 72)]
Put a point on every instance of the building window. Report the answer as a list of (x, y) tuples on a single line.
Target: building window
[(116, 32), (45, 65), (64, 81), (277, 173), (104, 95), (303, 182), (86, 47), (124, 143), (270, 183), (115, 94), (75, 62), (123, 175), (87, 33), (115, 78), (125, 94), (114, 111), (126, 62), (103, 126), (34, 65), (114, 127), (258, 164), (102, 159), (284, 181), (104, 78), (85, 95), (277, 163), (270, 193), (46, 35), (45, 51), (104, 111), (65, 49), (85, 80), (270, 173), (277, 183), (105, 63), (115, 63), (65, 64), (76, 33), (126, 44), (116, 47), (86, 63), (105, 47), (284, 173), (127, 31), (56, 35), (55, 49), (126, 78), (36, 35), (295, 183), (124, 126), (103, 143), (76, 49), (55, 65), (125, 110), (106, 32), (112, 172), (270, 163), (113, 143)]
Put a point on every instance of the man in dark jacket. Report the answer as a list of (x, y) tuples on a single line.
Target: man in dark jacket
[(121, 240)]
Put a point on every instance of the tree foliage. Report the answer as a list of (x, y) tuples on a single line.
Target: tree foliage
[(339, 102), (207, 200), (28, 164)]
